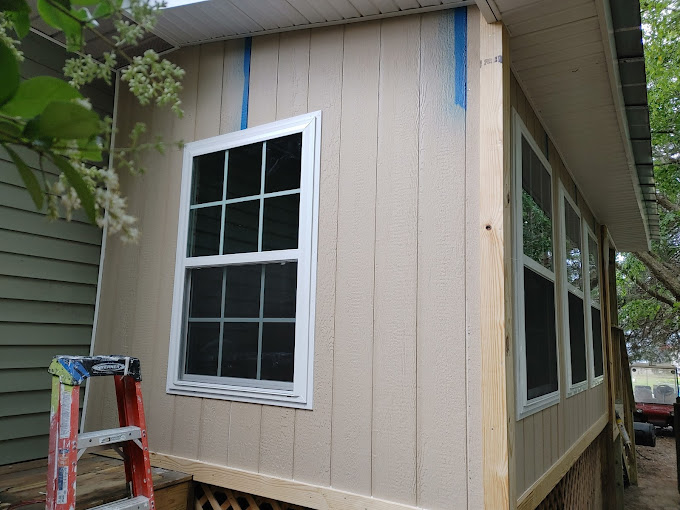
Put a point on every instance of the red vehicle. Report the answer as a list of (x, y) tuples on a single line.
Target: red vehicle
[(655, 387)]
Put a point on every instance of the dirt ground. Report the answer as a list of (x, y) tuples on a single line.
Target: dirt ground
[(657, 479)]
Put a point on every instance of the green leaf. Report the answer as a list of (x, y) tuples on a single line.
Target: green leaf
[(68, 121), (86, 2), (9, 69), (9, 129), (35, 94), (78, 183), (14, 6), (29, 178), (103, 10), (60, 16), (21, 22)]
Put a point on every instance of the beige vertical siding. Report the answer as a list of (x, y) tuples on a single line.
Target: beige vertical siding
[(542, 438), (394, 336)]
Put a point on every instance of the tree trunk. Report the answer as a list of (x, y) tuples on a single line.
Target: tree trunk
[(667, 277)]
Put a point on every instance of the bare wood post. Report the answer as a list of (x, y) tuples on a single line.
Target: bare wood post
[(494, 86), (676, 433)]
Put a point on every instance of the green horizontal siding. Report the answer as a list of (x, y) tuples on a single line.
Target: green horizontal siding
[(26, 425), (38, 224), (12, 287), (13, 310), (12, 264), (48, 279), (26, 448), (17, 197), (22, 243), (31, 334), (24, 379), (39, 356)]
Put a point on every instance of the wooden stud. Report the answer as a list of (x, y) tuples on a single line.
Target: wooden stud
[(494, 81)]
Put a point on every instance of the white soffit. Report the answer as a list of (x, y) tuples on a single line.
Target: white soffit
[(187, 22), (559, 57)]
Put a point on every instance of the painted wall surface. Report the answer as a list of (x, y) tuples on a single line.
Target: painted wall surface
[(396, 370), (48, 279), (542, 438)]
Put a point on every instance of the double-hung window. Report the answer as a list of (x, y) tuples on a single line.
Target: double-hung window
[(242, 325), (594, 307), (573, 306), (535, 325)]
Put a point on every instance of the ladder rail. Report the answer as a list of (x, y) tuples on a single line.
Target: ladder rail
[(66, 445)]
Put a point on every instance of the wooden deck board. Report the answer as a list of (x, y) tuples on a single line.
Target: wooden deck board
[(101, 479)]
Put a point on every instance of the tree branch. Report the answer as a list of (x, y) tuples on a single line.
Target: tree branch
[(656, 295), (669, 279), (666, 203)]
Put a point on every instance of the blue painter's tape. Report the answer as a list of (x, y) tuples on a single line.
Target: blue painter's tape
[(75, 370), (460, 50), (248, 41)]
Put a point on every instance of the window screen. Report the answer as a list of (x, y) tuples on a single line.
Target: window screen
[(597, 342), (572, 230), (540, 336), (577, 339), (536, 208), (593, 270)]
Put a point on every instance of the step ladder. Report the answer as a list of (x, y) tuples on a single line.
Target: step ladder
[(66, 446)]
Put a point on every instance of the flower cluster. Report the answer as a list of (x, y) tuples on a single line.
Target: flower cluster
[(8, 40), (151, 78)]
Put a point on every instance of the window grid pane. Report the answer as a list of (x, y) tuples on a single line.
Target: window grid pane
[(241, 333), (593, 270), (572, 246)]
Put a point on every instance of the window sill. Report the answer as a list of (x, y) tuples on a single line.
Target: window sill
[(252, 395), (533, 406), (577, 388), (597, 381)]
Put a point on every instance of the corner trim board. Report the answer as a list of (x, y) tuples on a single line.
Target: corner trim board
[(533, 496)]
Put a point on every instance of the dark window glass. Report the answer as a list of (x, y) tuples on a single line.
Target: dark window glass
[(281, 222), (206, 292), (203, 343), (204, 231), (536, 208), (242, 298), (280, 284), (572, 245), (597, 341), (239, 350), (241, 221), (278, 351), (541, 348), (245, 171), (208, 178), (577, 339), (282, 171)]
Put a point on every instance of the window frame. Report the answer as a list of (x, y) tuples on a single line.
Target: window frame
[(526, 407), (593, 379), (566, 288), (299, 394)]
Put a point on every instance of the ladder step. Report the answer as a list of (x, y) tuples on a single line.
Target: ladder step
[(138, 503), (108, 436)]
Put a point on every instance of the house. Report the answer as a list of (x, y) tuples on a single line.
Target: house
[(48, 282), (380, 273)]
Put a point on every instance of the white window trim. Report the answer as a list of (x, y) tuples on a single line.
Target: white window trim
[(566, 288), (594, 380), (299, 394), (526, 407)]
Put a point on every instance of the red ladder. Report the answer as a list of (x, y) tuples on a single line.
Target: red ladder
[(66, 445)]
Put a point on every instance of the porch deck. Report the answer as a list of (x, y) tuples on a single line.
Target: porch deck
[(101, 479)]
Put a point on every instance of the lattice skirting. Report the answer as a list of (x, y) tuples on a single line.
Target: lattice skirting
[(209, 497), (581, 487)]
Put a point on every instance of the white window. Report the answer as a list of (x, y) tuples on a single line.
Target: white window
[(243, 310), (594, 309), (537, 355), (573, 305)]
